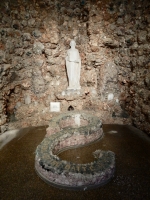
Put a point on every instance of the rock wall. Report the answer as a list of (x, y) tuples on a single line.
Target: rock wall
[(113, 40)]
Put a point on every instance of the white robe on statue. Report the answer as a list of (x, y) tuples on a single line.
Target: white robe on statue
[(73, 64)]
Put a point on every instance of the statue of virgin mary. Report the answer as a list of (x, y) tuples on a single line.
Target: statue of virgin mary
[(73, 64)]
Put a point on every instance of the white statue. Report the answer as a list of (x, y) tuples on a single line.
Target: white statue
[(73, 64)]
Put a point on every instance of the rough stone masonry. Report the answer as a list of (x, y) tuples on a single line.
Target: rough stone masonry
[(113, 39)]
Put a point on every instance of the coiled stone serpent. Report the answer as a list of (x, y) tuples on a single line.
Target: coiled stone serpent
[(64, 131)]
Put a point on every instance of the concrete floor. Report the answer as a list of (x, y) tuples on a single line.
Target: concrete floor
[(19, 181)]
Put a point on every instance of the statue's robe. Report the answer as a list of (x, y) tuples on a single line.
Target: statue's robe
[(73, 64)]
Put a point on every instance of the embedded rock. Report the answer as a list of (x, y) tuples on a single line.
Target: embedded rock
[(110, 43), (38, 48)]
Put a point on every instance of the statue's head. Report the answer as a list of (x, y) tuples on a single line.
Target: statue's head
[(72, 43)]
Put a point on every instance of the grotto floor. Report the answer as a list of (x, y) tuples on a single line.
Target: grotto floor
[(18, 179)]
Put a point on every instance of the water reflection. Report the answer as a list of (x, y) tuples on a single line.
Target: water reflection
[(18, 179)]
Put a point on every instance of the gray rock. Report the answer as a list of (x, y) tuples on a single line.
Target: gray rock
[(142, 37), (28, 52), (148, 36), (38, 48), (38, 85), (26, 36), (18, 104), (26, 44), (31, 22), (129, 32), (26, 62), (48, 52), (36, 72), (127, 18), (24, 23), (147, 80), (2, 56), (39, 62), (146, 49), (140, 52), (19, 51), (18, 43), (120, 21), (141, 61), (36, 33), (53, 70), (1, 107), (15, 24), (112, 27), (5, 67), (4, 128), (6, 19), (120, 31), (111, 70), (130, 39), (10, 46), (34, 13), (3, 32), (110, 42), (134, 46), (27, 99), (51, 60)]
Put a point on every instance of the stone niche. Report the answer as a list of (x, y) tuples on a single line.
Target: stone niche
[(113, 39)]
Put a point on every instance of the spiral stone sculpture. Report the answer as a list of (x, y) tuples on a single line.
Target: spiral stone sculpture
[(67, 130)]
